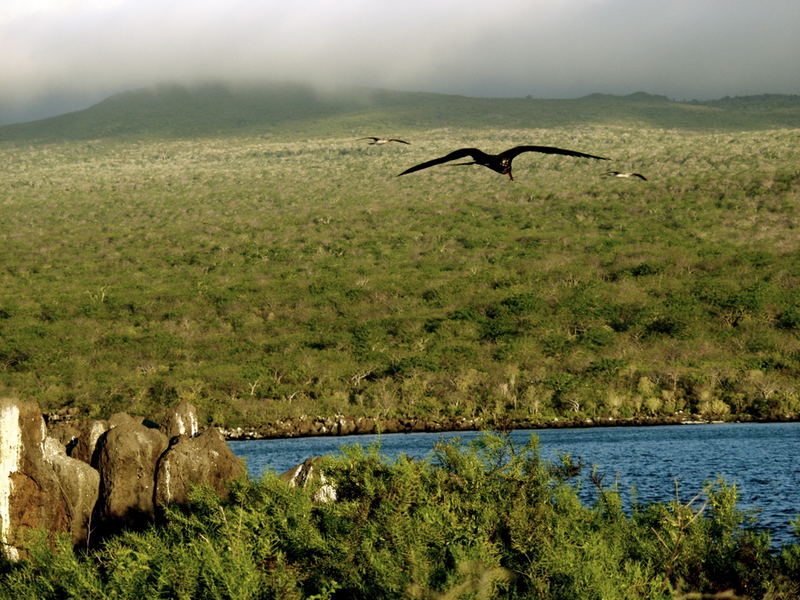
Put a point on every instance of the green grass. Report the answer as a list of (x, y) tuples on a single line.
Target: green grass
[(261, 278)]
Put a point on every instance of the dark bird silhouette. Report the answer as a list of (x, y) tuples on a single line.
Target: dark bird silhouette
[(625, 175), (501, 163), (379, 140)]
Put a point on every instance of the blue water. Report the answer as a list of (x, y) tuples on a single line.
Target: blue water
[(763, 460)]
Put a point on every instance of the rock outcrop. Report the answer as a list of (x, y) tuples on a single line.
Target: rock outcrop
[(85, 445), (308, 473), (181, 420), (80, 485), (126, 459), (341, 425), (90, 478), (79, 437), (306, 426), (192, 461), (31, 496)]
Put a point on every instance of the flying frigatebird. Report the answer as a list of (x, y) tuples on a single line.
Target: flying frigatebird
[(501, 163), (625, 175), (380, 140)]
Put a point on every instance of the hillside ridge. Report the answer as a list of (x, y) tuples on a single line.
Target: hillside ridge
[(213, 109)]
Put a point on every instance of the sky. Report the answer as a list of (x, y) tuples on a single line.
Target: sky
[(67, 54)]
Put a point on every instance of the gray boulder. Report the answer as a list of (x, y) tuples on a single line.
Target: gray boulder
[(79, 437), (191, 461), (80, 485), (308, 473), (181, 420), (49, 481), (88, 434), (66, 432), (123, 418), (30, 492), (126, 458)]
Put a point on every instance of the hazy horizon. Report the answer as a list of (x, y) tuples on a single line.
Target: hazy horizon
[(62, 55)]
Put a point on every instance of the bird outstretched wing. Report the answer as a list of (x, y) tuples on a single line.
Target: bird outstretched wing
[(625, 174), (455, 155), (512, 152), (379, 140)]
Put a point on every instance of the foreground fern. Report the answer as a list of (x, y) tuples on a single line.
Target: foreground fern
[(488, 520)]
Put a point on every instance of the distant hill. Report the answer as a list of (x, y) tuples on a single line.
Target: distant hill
[(295, 110)]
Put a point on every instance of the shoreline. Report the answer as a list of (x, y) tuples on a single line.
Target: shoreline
[(341, 426)]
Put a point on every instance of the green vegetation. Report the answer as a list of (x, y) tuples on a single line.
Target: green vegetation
[(488, 520), (288, 111), (262, 278), (243, 252)]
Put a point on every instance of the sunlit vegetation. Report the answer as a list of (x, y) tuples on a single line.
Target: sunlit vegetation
[(262, 277), (485, 521), (282, 269)]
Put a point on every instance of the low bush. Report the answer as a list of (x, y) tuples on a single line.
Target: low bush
[(481, 520), (265, 278)]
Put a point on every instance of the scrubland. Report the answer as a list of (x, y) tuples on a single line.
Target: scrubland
[(285, 271), (260, 276)]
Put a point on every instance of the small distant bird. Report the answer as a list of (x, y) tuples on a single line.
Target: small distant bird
[(501, 163), (379, 140), (625, 175)]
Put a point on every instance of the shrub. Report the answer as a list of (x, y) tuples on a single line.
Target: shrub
[(210, 260), (789, 318), (483, 519)]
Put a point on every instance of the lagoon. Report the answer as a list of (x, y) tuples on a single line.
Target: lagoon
[(763, 460)]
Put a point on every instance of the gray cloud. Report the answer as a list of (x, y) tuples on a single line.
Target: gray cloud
[(681, 48)]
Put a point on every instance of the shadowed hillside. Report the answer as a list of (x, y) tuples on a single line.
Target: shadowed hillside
[(290, 110)]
